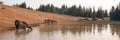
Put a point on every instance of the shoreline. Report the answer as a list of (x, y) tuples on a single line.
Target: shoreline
[(8, 28)]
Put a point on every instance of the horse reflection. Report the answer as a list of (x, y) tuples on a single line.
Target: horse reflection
[(22, 32)]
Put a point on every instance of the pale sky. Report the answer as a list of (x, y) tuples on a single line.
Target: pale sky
[(105, 4)]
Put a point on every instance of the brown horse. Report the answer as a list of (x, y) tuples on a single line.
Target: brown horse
[(21, 24), (50, 21)]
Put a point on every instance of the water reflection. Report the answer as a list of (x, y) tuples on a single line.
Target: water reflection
[(81, 31), (115, 29), (84, 31), (21, 34)]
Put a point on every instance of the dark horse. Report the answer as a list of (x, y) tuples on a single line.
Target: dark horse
[(21, 24)]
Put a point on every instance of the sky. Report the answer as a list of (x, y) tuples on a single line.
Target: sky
[(105, 4)]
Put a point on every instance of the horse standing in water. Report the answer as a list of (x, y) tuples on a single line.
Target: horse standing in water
[(21, 24)]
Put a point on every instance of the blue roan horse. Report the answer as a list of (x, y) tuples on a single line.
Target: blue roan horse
[(21, 24)]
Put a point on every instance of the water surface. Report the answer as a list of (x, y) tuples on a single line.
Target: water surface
[(66, 32)]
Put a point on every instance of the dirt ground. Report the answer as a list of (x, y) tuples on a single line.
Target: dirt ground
[(8, 15)]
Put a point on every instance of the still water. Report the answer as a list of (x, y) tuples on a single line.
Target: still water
[(66, 32)]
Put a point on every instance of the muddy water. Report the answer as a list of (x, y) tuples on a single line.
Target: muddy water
[(66, 32)]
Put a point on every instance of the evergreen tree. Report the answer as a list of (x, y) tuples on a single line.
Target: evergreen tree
[(74, 11), (23, 5), (100, 13), (41, 8), (63, 9), (30, 8), (112, 14), (1, 2), (115, 13), (105, 13)]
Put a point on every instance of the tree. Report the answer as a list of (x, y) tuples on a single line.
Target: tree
[(16, 5), (30, 8), (79, 10), (100, 13), (22, 5), (63, 9), (88, 12), (1, 2), (115, 13), (105, 13), (112, 14), (74, 11), (94, 13), (41, 8), (52, 8)]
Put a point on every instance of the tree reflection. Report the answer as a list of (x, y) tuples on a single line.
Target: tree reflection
[(75, 28), (115, 29), (83, 29)]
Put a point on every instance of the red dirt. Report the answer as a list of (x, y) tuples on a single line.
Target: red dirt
[(8, 14)]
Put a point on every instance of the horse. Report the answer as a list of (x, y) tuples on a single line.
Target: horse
[(22, 24), (50, 21)]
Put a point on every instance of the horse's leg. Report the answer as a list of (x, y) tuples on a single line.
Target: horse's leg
[(17, 26), (54, 22), (24, 28), (48, 22)]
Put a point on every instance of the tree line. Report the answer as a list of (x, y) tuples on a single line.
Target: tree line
[(79, 11), (23, 5), (115, 13), (74, 11), (1, 2)]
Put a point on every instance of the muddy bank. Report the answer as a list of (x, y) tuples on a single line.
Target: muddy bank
[(8, 28), (12, 27)]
